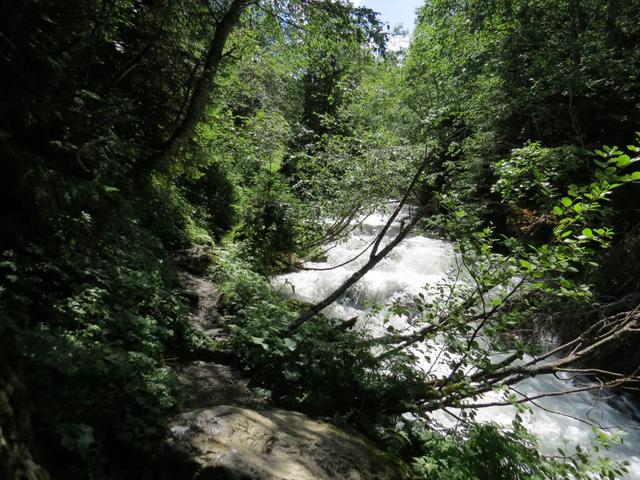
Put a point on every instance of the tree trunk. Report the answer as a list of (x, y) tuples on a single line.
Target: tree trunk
[(198, 101), (613, 12), (375, 256)]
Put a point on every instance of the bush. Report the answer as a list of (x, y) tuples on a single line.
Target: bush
[(269, 224), (532, 176), (94, 316)]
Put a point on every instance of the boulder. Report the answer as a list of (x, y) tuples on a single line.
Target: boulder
[(227, 442), (205, 302), (196, 259), (206, 384)]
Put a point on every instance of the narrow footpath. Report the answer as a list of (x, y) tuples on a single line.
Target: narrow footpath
[(227, 430)]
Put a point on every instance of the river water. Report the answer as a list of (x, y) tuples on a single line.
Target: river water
[(419, 262)]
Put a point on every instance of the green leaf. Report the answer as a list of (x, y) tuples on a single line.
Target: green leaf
[(557, 210), (565, 283), (600, 163), (89, 94), (290, 344), (291, 376), (567, 202), (260, 341), (587, 232), (526, 264), (623, 161), (635, 175)]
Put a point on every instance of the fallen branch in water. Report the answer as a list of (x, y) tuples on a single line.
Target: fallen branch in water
[(375, 256)]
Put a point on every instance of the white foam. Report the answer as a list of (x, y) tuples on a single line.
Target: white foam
[(421, 261)]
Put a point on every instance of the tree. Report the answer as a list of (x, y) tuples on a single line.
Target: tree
[(494, 76), (196, 104)]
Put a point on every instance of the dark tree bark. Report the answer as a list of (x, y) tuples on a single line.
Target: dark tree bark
[(613, 12)]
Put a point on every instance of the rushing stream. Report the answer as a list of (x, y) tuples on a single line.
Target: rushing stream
[(420, 261)]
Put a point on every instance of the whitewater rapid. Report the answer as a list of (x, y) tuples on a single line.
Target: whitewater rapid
[(420, 262)]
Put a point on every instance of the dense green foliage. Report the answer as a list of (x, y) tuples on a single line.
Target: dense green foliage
[(94, 317), (491, 78), (131, 129)]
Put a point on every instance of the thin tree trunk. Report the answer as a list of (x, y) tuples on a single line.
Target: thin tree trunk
[(373, 261), (375, 256), (613, 12), (198, 102)]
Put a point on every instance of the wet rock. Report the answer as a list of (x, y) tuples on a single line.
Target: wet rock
[(205, 302), (228, 442)]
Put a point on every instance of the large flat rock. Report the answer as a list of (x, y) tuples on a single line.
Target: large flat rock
[(226, 442)]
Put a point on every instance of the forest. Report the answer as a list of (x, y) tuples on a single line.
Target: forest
[(275, 209)]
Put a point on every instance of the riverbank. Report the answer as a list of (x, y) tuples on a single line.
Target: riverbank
[(420, 266)]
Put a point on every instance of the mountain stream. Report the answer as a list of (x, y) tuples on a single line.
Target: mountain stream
[(419, 261)]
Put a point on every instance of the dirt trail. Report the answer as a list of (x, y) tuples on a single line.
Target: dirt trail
[(227, 431), (205, 383)]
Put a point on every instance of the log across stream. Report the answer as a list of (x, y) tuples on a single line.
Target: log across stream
[(558, 422)]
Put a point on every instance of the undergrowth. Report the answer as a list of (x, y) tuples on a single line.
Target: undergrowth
[(323, 371), (319, 368), (96, 317)]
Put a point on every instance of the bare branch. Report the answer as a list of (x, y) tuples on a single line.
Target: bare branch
[(353, 279), (526, 399), (402, 202)]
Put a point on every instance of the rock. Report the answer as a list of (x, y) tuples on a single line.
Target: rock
[(205, 300), (228, 442), (196, 259), (17, 461), (216, 441), (206, 384)]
